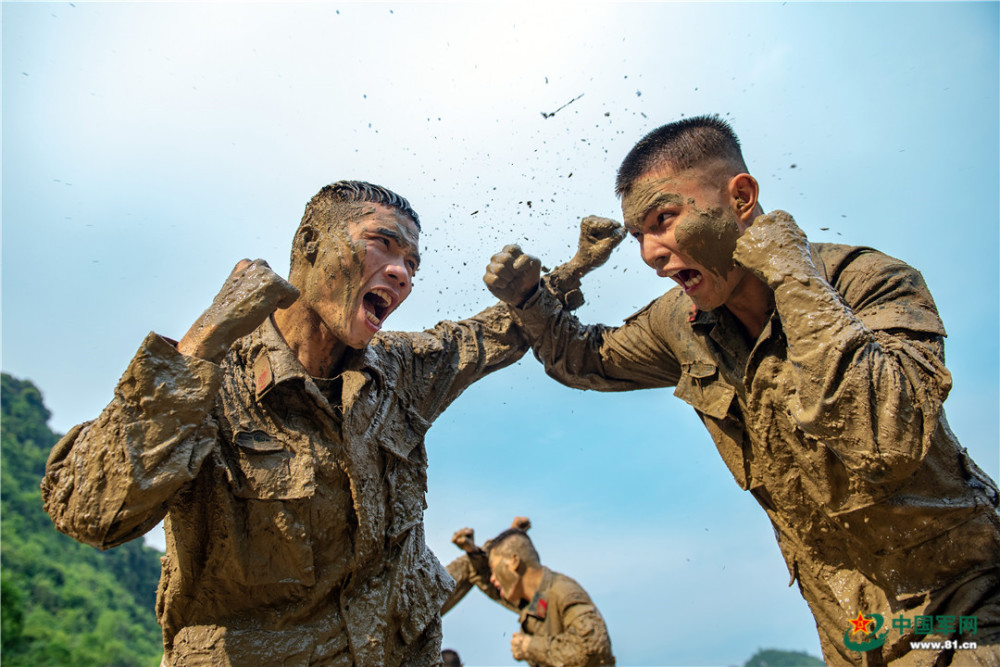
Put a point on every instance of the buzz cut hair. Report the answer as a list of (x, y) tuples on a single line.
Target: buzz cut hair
[(356, 192), (337, 204), (514, 541), (680, 145)]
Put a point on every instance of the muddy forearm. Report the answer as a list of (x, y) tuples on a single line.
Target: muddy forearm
[(595, 356), (564, 283), (460, 570), (452, 355), (110, 480), (872, 396)]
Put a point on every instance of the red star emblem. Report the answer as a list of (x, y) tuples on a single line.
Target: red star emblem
[(861, 624)]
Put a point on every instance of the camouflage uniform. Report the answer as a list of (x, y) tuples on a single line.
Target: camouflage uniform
[(293, 506), (833, 420)]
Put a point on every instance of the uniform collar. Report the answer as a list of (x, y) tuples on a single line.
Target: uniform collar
[(274, 362), (539, 606)]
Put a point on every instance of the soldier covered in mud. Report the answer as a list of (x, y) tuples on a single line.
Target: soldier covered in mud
[(818, 370), (473, 568), (560, 624), (281, 440)]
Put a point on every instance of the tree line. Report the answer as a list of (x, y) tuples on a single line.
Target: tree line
[(62, 602)]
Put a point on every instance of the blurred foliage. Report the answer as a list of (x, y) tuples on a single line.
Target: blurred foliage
[(774, 658), (63, 603)]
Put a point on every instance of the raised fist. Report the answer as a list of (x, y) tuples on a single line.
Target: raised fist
[(598, 237), (774, 248), (250, 294), (464, 539), (513, 276)]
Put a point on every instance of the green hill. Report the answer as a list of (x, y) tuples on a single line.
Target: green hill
[(775, 658), (63, 603)]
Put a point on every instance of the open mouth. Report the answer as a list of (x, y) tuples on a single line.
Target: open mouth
[(688, 278), (377, 303)]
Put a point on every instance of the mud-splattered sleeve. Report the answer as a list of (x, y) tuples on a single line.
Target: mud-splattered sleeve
[(584, 640), (109, 480), (632, 356), (437, 365), (868, 360)]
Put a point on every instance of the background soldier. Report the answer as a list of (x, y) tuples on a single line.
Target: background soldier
[(473, 568), (560, 624)]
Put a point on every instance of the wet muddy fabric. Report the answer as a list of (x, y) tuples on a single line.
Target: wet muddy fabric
[(293, 506), (832, 419), (565, 627)]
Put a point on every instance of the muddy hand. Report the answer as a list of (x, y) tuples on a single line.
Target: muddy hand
[(775, 249), (598, 238), (250, 294), (464, 539), (519, 644), (521, 523), (513, 276)]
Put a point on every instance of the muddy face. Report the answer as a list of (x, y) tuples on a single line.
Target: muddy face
[(709, 238), (687, 230), (362, 272), (504, 578)]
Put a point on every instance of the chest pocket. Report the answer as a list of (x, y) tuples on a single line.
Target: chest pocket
[(267, 469), (273, 487), (701, 387)]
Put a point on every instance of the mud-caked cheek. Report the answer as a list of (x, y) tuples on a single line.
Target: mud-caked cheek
[(709, 238)]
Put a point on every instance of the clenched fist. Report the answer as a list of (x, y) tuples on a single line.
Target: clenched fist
[(250, 294), (465, 539), (513, 276), (598, 237), (774, 248)]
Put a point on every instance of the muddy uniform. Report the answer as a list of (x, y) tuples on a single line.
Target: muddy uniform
[(566, 628), (833, 420), (293, 506)]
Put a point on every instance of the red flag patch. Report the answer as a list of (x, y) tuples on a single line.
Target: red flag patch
[(262, 373)]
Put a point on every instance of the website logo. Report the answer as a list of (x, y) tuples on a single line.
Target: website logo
[(863, 635)]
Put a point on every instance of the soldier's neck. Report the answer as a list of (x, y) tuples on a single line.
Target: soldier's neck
[(752, 303), (319, 352), (530, 582)]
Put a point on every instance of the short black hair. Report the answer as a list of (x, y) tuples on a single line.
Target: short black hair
[(680, 145), (522, 545), (352, 192), (337, 204)]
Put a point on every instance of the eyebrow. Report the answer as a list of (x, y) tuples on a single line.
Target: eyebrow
[(400, 240), (661, 200)]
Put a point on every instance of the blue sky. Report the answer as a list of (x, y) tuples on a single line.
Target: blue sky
[(149, 146)]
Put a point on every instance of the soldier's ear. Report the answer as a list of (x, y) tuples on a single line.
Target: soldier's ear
[(307, 242), (743, 189)]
